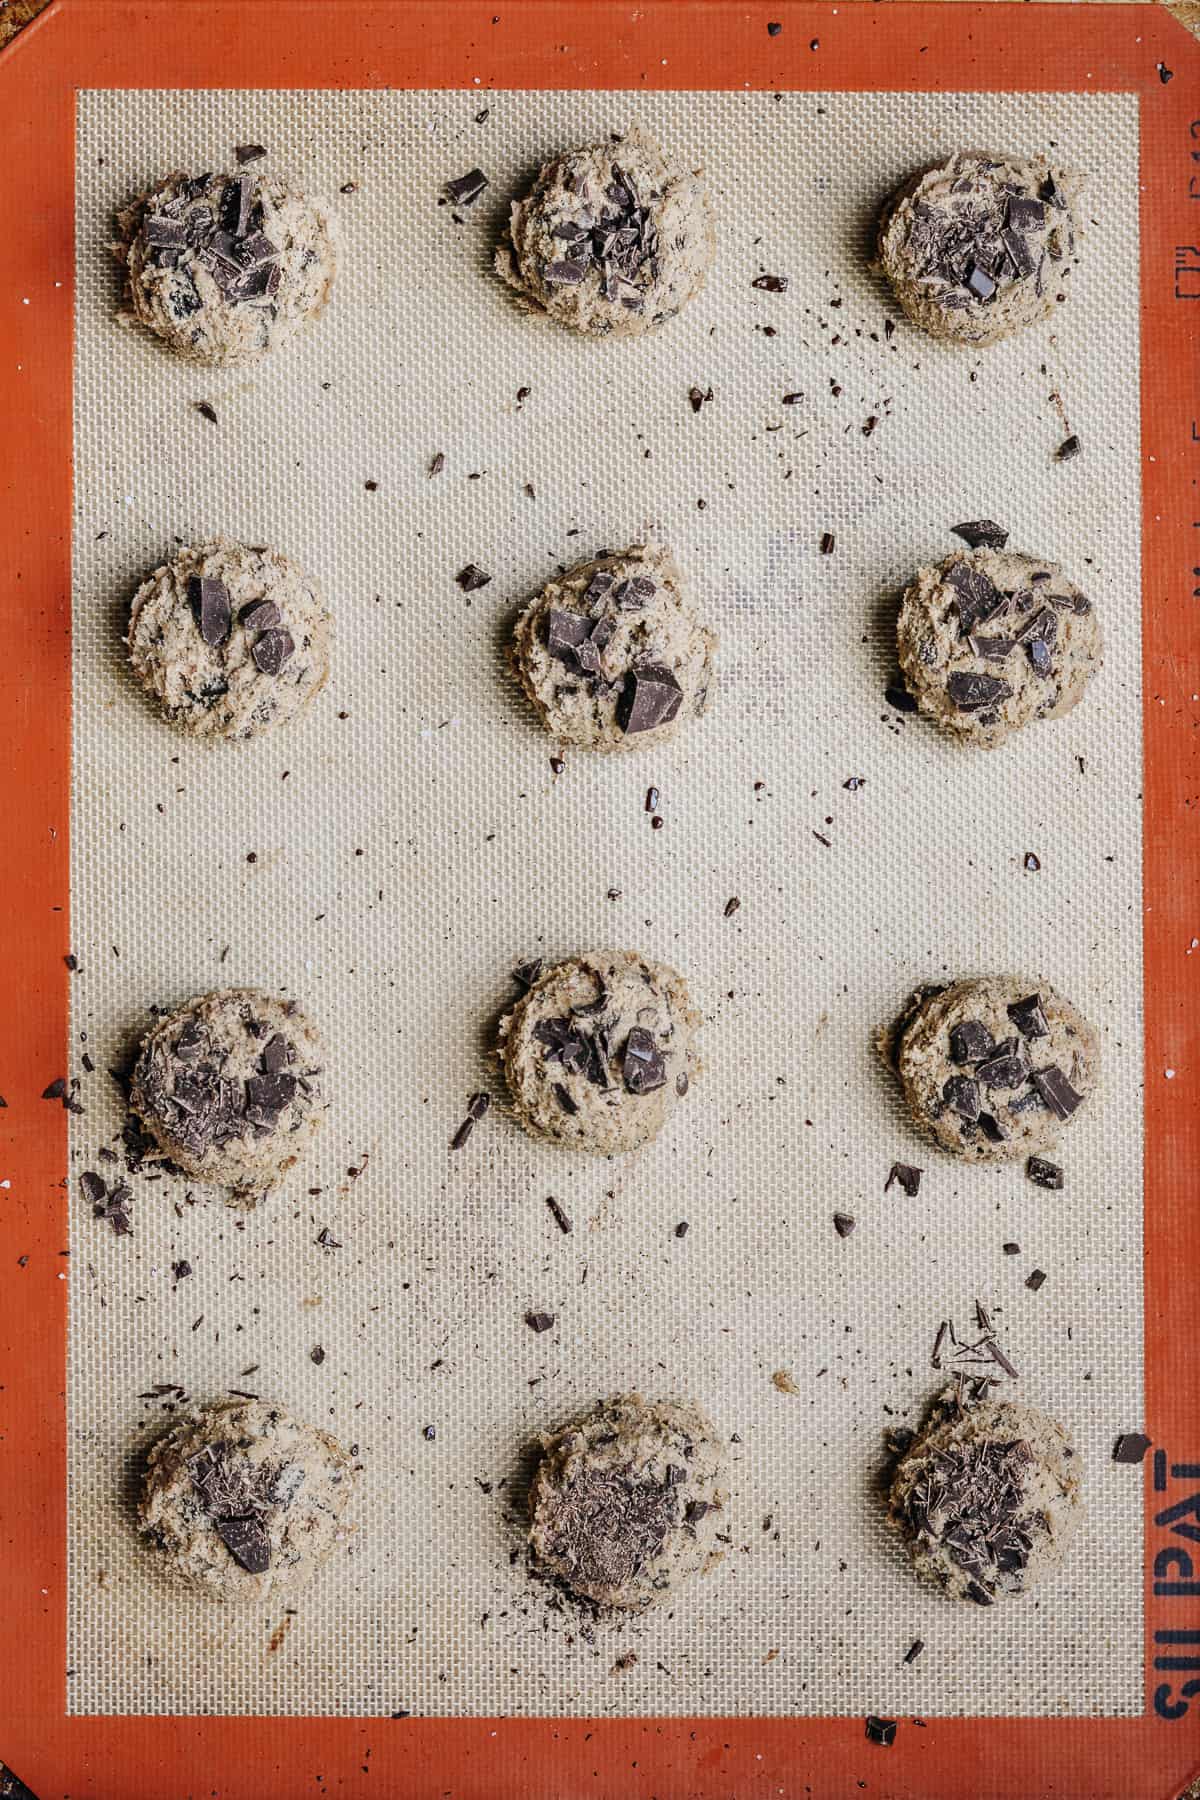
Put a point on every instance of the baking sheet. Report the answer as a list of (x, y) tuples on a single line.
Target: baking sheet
[(410, 845)]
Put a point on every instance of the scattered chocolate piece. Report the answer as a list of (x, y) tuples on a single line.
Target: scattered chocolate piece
[(559, 1216), (914, 1650), (462, 1134), (651, 697), (1011, 1249), (472, 578), (477, 1105), (317, 1354), (731, 906), (828, 542), (881, 1731), (981, 534), (206, 410), (1164, 74), (429, 1433), (210, 602), (56, 1090), (907, 1177), (681, 1230), (248, 153), (1044, 1174), (1035, 1279), (642, 1066), (438, 463), (1068, 448), (464, 190), (651, 802), (272, 650), (774, 28), (181, 1270), (844, 1223), (95, 1188), (771, 284), (1130, 1447), (539, 1321), (698, 396), (1031, 863)]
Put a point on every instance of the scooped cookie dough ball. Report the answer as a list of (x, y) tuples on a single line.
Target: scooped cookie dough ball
[(611, 240), (229, 641), (994, 1067), (244, 1501), (230, 1088), (225, 268), (599, 1052), (610, 654), (992, 639), (976, 248), (627, 1501), (987, 1498)]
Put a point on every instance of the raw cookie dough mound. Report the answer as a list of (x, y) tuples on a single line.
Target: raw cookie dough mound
[(229, 641), (230, 1088), (626, 1501), (994, 1067), (993, 639), (245, 1501), (611, 655), (611, 240), (599, 1052), (225, 268), (987, 1498), (976, 248)]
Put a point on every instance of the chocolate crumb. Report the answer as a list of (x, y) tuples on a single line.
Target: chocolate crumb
[(914, 1650), (828, 541), (771, 284), (464, 190), (317, 1354), (844, 1223), (981, 534), (774, 28), (731, 906), (539, 1321), (1011, 1249), (1044, 1174), (1035, 1279), (248, 153), (1067, 449), (206, 410), (681, 1230), (438, 463), (472, 578), (1130, 1447), (907, 1177), (1030, 863), (881, 1731)]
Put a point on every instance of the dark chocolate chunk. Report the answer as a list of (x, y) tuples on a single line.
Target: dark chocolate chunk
[(1130, 1447), (1035, 1279), (642, 1066), (236, 202), (269, 1094), (992, 649), (978, 597), (1056, 1091), (164, 234), (828, 543), (1044, 1174), (650, 697), (472, 578), (771, 284), (972, 692), (1024, 214), (881, 1731), (979, 282), (905, 1176), (247, 153), (260, 615), (539, 1321), (1019, 253), (961, 1095), (1007, 1067), (210, 603), (95, 1188), (992, 1129), (567, 273), (981, 533), (247, 1543), (1040, 660), (258, 283), (272, 650), (564, 1099), (1028, 1017), (844, 1223), (464, 190), (970, 1042)]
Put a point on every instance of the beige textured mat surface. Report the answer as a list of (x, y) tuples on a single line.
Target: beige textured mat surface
[(419, 848)]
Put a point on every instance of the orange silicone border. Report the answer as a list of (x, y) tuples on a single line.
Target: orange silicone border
[(552, 44)]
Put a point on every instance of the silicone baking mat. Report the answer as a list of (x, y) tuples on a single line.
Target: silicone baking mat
[(392, 859), (474, 858)]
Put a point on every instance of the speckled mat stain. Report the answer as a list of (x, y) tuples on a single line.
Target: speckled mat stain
[(390, 857)]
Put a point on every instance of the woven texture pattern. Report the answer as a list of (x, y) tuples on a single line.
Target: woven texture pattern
[(394, 855)]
